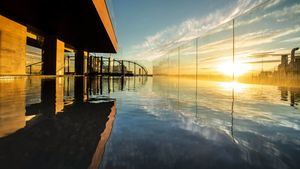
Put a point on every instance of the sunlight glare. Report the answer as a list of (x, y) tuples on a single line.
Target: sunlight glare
[(229, 68), (238, 87)]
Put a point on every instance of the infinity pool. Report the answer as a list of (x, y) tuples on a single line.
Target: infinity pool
[(161, 122)]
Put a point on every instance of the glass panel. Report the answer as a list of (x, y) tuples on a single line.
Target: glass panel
[(215, 52), (265, 38)]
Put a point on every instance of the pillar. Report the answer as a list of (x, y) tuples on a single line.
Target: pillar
[(53, 56), (79, 62), (12, 47), (101, 65)]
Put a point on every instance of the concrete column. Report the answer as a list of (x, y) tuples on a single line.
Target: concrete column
[(12, 47), (53, 56), (79, 62)]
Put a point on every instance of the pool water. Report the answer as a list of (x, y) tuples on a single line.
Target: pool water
[(161, 122)]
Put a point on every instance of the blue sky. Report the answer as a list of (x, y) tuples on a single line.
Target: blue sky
[(148, 30), (137, 21)]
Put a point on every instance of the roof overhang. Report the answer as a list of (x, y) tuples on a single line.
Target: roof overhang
[(84, 24)]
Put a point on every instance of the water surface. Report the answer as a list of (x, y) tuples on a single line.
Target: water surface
[(169, 123), (161, 122)]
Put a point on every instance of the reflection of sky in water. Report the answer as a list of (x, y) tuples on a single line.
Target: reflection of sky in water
[(163, 124), (262, 131)]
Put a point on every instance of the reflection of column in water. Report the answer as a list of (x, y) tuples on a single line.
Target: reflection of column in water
[(128, 83), (133, 82), (59, 94), (101, 84), (68, 86), (90, 85), (97, 83), (48, 97), (108, 85), (52, 95), (122, 83), (85, 88), (79, 89), (113, 84), (86, 82)]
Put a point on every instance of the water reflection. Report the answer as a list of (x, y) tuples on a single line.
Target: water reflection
[(204, 124), (162, 122), (290, 94), (12, 109), (61, 122)]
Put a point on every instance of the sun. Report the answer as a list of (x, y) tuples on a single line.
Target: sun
[(228, 68)]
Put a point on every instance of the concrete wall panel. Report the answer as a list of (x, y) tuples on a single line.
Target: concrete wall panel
[(12, 47)]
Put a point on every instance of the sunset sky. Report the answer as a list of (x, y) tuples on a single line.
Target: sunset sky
[(148, 30)]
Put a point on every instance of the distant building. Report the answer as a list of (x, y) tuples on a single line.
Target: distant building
[(282, 67), (289, 68)]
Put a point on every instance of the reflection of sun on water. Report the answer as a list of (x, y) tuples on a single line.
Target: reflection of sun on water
[(229, 68), (238, 87)]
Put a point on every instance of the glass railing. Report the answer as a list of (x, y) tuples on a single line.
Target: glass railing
[(255, 46)]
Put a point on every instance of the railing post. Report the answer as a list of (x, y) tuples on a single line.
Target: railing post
[(134, 69), (122, 68), (113, 65), (30, 71), (101, 65), (68, 64), (98, 65), (89, 64), (129, 65), (108, 65)]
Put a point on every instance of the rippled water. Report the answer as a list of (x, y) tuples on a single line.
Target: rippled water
[(162, 122)]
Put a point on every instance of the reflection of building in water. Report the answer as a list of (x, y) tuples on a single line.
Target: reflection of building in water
[(52, 98), (12, 105), (32, 99), (295, 97), (73, 138), (290, 94), (284, 93)]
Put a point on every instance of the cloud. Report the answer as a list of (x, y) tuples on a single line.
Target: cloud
[(157, 45), (282, 15), (248, 46)]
